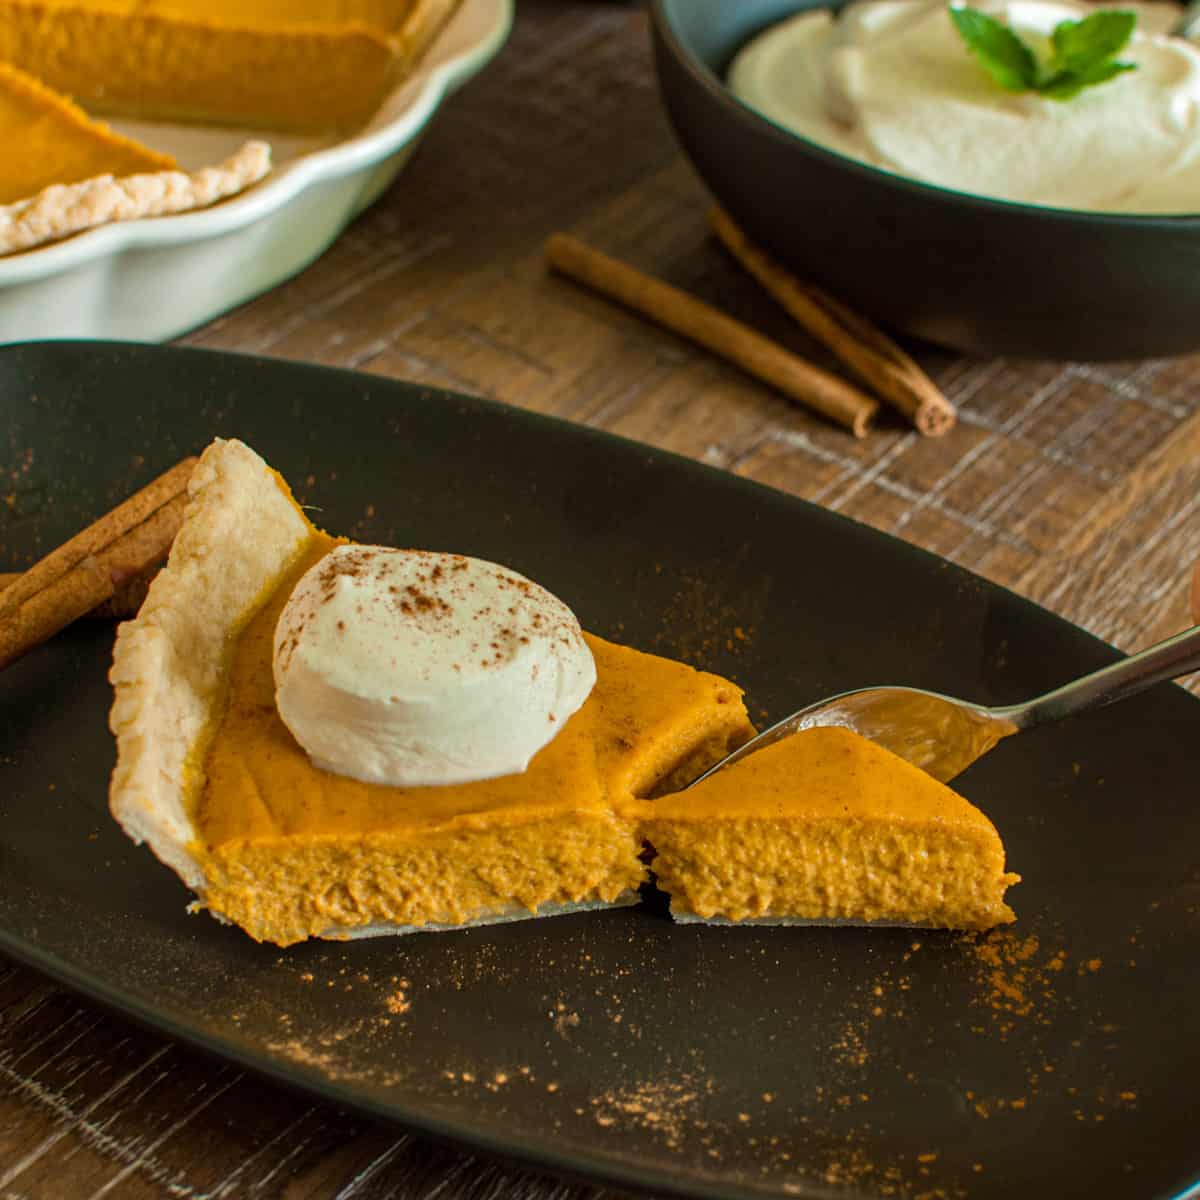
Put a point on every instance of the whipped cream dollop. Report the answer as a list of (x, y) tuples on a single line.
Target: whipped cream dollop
[(891, 83), (409, 667)]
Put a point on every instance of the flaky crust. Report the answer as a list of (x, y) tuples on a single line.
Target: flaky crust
[(240, 534), (65, 209)]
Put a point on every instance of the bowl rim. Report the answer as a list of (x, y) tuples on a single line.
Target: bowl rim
[(665, 30)]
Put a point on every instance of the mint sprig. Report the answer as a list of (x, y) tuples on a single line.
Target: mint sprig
[(1082, 53)]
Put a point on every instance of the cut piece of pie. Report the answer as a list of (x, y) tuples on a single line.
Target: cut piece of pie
[(209, 776), (305, 65), (822, 826), (48, 140), (828, 827)]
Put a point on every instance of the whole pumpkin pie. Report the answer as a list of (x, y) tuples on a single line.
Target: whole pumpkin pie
[(304, 65), (208, 774)]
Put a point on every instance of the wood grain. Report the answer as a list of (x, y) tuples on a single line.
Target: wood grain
[(1076, 484)]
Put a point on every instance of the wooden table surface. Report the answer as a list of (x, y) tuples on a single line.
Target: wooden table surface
[(1074, 484)]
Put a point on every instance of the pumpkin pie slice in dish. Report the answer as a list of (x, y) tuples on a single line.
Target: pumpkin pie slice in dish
[(827, 827), (288, 844), (303, 65), (61, 172)]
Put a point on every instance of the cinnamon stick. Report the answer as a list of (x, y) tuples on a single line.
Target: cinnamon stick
[(125, 601), (145, 544), (55, 607), (100, 534), (88, 582), (685, 314), (862, 348)]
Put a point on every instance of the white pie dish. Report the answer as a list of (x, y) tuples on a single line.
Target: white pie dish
[(152, 279)]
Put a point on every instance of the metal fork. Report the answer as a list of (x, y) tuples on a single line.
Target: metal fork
[(944, 736)]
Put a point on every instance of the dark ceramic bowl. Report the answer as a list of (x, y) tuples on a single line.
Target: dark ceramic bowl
[(982, 276)]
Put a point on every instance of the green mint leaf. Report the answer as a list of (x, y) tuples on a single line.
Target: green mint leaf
[(1082, 52), (1082, 45), (1067, 85), (1000, 52)]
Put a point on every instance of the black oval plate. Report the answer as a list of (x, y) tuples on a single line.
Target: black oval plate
[(1059, 1057)]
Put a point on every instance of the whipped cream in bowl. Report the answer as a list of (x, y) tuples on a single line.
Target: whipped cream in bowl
[(891, 84), (1040, 276), (415, 668)]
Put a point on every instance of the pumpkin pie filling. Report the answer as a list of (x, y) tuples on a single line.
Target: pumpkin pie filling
[(827, 826), (290, 851), (304, 65), (49, 140)]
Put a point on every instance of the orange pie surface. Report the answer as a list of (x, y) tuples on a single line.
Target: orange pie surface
[(47, 139), (310, 65), (291, 850), (828, 826)]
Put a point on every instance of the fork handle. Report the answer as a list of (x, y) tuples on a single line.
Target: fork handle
[(1168, 659)]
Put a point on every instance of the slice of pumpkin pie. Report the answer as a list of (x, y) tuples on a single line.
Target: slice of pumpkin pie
[(827, 827), (332, 740), (277, 682)]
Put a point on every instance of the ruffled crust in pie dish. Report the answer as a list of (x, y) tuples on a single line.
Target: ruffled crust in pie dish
[(64, 209)]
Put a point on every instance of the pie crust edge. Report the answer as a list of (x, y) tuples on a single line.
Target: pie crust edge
[(241, 531), (64, 209)]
